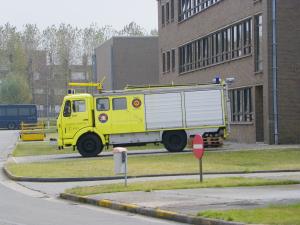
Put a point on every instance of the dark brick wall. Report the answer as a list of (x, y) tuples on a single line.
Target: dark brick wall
[(128, 60), (223, 14), (103, 62), (288, 25), (135, 61)]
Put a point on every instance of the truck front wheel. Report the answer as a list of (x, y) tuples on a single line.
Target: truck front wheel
[(89, 145), (174, 141)]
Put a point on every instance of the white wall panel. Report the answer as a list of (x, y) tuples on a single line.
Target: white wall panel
[(163, 111), (203, 108)]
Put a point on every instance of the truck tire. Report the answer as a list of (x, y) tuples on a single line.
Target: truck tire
[(89, 145), (11, 126), (174, 141)]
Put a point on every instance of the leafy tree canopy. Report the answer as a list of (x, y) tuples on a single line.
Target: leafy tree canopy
[(14, 90)]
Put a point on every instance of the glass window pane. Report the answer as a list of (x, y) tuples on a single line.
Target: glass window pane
[(119, 104), (67, 109), (24, 112), (78, 106), (102, 104), (12, 112), (2, 112)]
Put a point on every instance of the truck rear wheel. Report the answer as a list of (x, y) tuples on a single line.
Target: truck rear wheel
[(174, 141), (11, 126), (89, 145)]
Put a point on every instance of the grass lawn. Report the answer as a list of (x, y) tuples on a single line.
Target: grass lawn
[(44, 148), (274, 214), (242, 161), (176, 184), (38, 148)]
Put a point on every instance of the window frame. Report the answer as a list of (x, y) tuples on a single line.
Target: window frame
[(189, 8), (223, 45), (74, 109), (258, 29), (106, 109), (163, 15), (119, 98), (164, 62), (241, 105), (168, 61)]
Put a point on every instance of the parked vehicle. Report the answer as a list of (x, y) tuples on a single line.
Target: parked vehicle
[(11, 116), (135, 116)]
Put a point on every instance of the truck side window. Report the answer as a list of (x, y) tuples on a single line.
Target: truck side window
[(78, 106), (67, 109), (2, 112), (119, 104), (102, 104)]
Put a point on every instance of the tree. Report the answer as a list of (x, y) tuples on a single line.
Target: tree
[(31, 38), (132, 29), (12, 52), (14, 90), (92, 37), (154, 32), (49, 43)]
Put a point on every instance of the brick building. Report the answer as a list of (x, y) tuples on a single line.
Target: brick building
[(201, 39), (49, 82), (127, 60)]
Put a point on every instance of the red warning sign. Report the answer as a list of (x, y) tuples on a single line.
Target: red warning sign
[(198, 146)]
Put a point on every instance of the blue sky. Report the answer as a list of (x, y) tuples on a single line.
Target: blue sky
[(116, 13)]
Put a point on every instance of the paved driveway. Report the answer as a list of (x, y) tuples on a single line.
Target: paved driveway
[(8, 138), (192, 201)]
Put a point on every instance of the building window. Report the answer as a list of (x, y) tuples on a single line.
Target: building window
[(36, 76), (172, 10), (188, 8), (173, 60), (168, 61), (38, 91), (223, 45), (163, 15), (78, 76), (164, 62), (241, 105), (258, 43), (168, 12)]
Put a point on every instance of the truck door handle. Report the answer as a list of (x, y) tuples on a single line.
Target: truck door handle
[(85, 119)]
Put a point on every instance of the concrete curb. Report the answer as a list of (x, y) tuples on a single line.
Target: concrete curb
[(146, 211), (74, 179)]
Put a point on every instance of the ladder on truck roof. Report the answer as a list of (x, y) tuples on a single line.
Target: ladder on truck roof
[(99, 85)]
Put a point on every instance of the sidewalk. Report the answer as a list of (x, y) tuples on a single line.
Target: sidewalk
[(183, 205), (192, 201)]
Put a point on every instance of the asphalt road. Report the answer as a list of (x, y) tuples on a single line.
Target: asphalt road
[(20, 205)]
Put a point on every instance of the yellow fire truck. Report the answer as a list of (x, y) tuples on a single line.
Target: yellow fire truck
[(141, 115)]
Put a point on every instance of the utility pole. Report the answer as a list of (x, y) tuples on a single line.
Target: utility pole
[(274, 70)]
